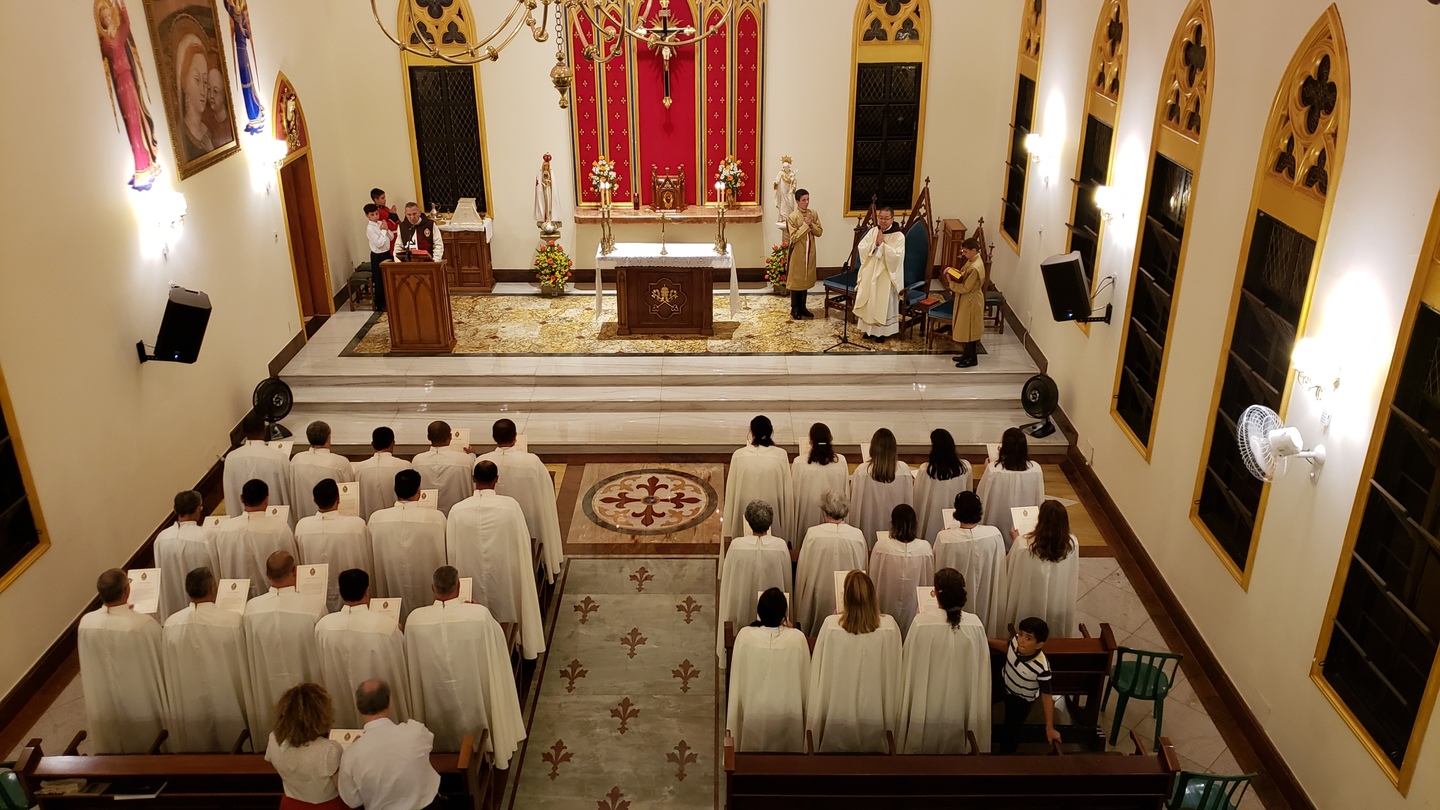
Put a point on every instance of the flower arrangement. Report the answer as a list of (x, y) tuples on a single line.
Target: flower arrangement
[(777, 265), (730, 173), (552, 266), (602, 171)]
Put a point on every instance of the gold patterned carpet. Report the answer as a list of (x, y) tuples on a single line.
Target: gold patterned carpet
[(529, 324)]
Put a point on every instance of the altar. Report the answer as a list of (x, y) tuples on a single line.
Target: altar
[(664, 294)]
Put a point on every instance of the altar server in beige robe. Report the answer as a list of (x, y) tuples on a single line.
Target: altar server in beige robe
[(460, 678), (524, 477), (279, 643), (207, 674), (121, 671), (444, 468), (978, 553), (247, 540), (339, 541), (802, 225), (408, 541), (180, 549), (946, 676), (1009, 481), (356, 644), (255, 459), (937, 483), (832, 546), (769, 677), (313, 466), (487, 540), (881, 278), (879, 485), (759, 471), (1042, 573), (815, 471), (753, 563), (967, 323), (900, 563), (854, 695), (376, 475)]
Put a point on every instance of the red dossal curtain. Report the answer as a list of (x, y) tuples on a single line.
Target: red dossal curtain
[(666, 137)]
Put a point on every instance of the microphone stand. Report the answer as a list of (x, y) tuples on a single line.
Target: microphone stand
[(845, 325)]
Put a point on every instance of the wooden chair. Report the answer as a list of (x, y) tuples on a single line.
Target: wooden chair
[(362, 285)]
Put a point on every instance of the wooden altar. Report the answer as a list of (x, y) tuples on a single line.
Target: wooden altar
[(467, 259), (419, 306), (664, 294)]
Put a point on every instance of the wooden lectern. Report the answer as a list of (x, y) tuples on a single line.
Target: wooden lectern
[(419, 303)]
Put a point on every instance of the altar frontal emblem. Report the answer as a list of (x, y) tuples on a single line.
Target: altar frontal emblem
[(667, 298)]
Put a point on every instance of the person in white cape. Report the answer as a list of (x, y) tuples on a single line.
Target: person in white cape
[(358, 643), (769, 676), (247, 540), (182, 548), (881, 278), (376, 475), (207, 675), (443, 468), (1009, 481), (408, 541), (937, 483), (256, 459), (279, 643), (978, 553), (524, 477), (946, 675), (879, 485), (832, 546), (900, 563), (487, 540), (759, 471), (121, 672), (313, 466), (339, 541), (815, 472), (854, 695), (754, 563), (460, 679), (1042, 573)]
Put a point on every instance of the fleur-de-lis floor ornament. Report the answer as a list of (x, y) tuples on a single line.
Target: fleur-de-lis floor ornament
[(685, 673), (640, 577), (633, 640), (689, 607), (585, 608), (625, 712), (573, 673), (682, 756), (556, 756), (613, 800)]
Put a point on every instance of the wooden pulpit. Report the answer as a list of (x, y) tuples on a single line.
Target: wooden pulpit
[(418, 299)]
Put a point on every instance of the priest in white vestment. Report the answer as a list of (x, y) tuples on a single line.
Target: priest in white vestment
[(854, 695), (937, 482), (978, 553), (408, 541), (207, 675), (357, 644), (946, 676), (487, 540), (247, 540), (1042, 573), (524, 477), (339, 541), (769, 677), (814, 473), (759, 471), (121, 672), (879, 485), (460, 677), (180, 549), (279, 644), (832, 546), (256, 459), (443, 468), (900, 563), (313, 466), (881, 278), (376, 475), (753, 563), (1009, 481)]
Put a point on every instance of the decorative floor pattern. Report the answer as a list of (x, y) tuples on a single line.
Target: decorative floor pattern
[(623, 508)]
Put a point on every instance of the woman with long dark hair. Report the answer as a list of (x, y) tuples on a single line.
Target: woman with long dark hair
[(817, 470), (940, 479), (1042, 572), (1010, 480), (946, 675), (879, 485)]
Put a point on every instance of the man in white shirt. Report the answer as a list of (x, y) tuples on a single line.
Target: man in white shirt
[(120, 671), (376, 475), (357, 643), (444, 469), (313, 466), (247, 540), (460, 678), (408, 541), (280, 643), (523, 476), (182, 548), (339, 541), (388, 768), (255, 459), (377, 235), (486, 539), (206, 672)]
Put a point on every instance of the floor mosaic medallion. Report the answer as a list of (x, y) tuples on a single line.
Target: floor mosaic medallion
[(649, 502)]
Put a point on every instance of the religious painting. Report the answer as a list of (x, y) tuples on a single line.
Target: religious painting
[(129, 97), (194, 82), (245, 64), (290, 118)]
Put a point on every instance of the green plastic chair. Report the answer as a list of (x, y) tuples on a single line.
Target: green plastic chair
[(1142, 675), (1207, 791), (12, 796)]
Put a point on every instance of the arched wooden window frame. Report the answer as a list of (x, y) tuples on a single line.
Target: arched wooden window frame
[(7, 413), (1295, 184), (1017, 162), (913, 14)]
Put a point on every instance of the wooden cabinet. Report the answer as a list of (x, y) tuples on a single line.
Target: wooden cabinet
[(665, 300), (467, 261), (419, 307), (954, 232)]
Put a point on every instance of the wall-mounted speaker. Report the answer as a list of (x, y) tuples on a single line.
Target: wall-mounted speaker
[(1065, 286), (182, 330)]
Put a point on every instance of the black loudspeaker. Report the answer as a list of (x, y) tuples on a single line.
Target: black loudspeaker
[(187, 313), (1065, 287)]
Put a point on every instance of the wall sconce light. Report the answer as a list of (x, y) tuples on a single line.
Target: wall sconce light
[(162, 211), (1107, 200), (1316, 371), (1035, 145)]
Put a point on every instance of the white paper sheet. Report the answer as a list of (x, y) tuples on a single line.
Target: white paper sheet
[(459, 439), (467, 589), (313, 581), (430, 498), (282, 512), (350, 499), (947, 514), (389, 607), (145, 589), (1024, 518), (232, 595), (926, 600), (345, 736), (282, 447)]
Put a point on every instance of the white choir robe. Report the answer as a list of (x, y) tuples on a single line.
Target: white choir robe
[(828, 548), (871, 501), (810, 481), (408, 544), (246, 541), (123, 679), (255, 459), (752, 565), (1000, 489), (340, 541), (280, 646), (486, 539), (979, 555), (460, 678), (878, 284), (1034, 587), (355, 645), (207, 678), (759, 474), (524, 477), (310, 468), (376, 477), (854, 695), (769, 677), (450, 472), (898, 569), (180, 549), (946, 676), (932, 497)]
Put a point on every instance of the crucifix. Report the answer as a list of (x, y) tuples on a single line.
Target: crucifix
[(661, 35)]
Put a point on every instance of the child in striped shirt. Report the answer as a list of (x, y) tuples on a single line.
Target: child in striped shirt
[(1026, 676)]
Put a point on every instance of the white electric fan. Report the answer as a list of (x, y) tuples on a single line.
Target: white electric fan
[(1267, 445)]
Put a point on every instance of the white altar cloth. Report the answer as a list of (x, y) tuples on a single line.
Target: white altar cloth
[(677, 254)]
